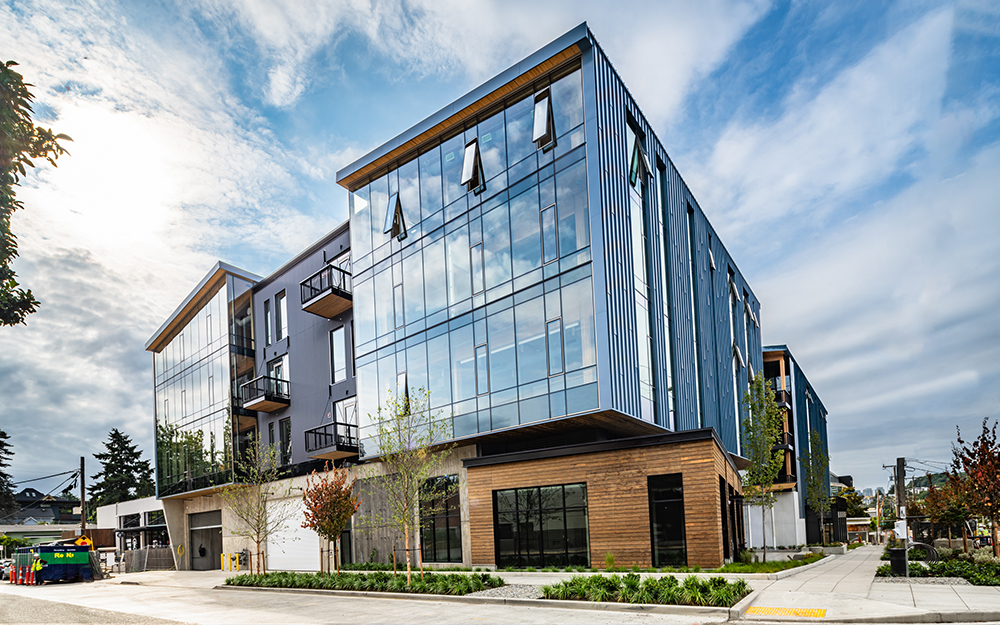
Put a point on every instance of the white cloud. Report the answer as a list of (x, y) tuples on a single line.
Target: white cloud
[(824, 151)]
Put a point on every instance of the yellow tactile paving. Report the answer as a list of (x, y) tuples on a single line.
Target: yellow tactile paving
[(810, 612)]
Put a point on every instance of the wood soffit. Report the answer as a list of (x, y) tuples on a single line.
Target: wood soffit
[(354, 180)]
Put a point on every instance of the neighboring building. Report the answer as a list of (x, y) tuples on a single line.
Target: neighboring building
[(532, 259), (137, 523), (804, 413), (35, 507)]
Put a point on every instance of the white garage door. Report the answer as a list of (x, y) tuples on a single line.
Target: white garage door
[(294, 548)]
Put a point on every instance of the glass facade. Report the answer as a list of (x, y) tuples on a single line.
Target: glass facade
[(544, 526), (196, 375), (638, 183), (487, 305)]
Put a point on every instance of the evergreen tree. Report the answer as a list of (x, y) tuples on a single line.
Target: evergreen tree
[(124, 474), (7, 503)]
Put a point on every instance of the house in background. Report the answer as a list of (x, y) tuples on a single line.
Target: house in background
[(528, 256)]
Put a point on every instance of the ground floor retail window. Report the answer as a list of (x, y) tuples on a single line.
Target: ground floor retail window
[(441, 520), (666, 519), (541, 526)]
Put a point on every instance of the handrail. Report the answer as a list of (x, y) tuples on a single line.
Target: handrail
[(337, 434), (327, 278), (264, 385)]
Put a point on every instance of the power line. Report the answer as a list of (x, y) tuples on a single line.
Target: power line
[(19, 510), (37, 479)]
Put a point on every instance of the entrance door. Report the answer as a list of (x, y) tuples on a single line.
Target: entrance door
[(205, 545), (666, 519)]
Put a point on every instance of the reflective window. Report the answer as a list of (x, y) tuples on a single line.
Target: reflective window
[(384, 311), (435, 280), (496, 246), (503, 362), (482, 370), (567, 102), (544, 526), (519, 126), (530, 320), (397, 296), (477, 268), (267, 321), (282, 319), (430, 182), (554, 346), (463, 364), (413, 288), (493, 146), (439, 371), (361, 223), (285, 448), (453, 152), (364, 311), (409, 192), (543, 125), (574, 214), (459, 271), (416, 366), (526, 244), (379, 190), (338, 355), (578, 325), (550, 250)]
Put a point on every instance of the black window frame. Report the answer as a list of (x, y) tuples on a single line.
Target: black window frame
[(435, 510), (661, 482), (571, 555)]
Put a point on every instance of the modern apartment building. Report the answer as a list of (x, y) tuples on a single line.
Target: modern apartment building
[(530, 262), (804, 414)]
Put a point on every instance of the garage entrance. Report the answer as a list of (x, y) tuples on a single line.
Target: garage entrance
[(205, 544)]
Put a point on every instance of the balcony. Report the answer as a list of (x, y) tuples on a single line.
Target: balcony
[(327, 293), (333, 441), (783, 399), (786, 442), (265, 394)]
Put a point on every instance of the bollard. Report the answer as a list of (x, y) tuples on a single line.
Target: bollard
[(222, 562)]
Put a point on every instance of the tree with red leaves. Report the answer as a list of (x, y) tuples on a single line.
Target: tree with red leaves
[(330, 503), (980, 460)]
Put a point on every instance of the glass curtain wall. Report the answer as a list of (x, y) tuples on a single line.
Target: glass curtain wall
[(487, 305), (195, 376)]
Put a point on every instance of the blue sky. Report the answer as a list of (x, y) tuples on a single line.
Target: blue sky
[(848, 153)]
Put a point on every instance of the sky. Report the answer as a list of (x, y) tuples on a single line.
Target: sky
[(847, 153)]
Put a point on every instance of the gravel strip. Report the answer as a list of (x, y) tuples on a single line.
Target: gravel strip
[(511, 591), (940, 581)]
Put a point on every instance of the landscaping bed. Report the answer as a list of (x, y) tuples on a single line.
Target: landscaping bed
[(630, 588), (769, 567), (979, 567), (377, 581)]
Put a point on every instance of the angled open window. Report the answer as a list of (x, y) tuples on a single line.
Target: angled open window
[(638, 164), (472, 168), (395, 225), (711, 259), (735, 291), (543, 129), (738, 354)]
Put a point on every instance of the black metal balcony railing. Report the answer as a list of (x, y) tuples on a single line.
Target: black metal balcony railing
[(329, 278), (265, 393), (783, 398), (333, 438), (243, 344), (785, 441)]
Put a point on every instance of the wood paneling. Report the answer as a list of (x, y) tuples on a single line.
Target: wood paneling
[(617, 498)]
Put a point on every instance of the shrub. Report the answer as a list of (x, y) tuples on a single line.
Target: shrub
[(378, 581), (609, 560), (665, 590)]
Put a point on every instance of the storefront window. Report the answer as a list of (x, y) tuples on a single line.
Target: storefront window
[(543, 526)]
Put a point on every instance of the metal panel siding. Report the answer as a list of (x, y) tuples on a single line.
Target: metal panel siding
[(715, 338)]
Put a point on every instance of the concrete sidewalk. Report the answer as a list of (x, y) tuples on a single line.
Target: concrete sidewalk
[(844, 589)]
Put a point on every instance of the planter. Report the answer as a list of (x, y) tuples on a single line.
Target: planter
[(817, 549)]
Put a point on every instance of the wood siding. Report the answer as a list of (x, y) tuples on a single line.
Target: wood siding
[(617, 498)]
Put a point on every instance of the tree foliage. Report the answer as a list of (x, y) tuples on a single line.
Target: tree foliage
[(816, 470), (855, 502), (330, 503), (980, 460), (8, 505), (124, 475), (408, 436), (20, 142), (261, 504), (763, 424)]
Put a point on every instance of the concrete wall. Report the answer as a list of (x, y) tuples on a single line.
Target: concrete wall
[(782, 523)]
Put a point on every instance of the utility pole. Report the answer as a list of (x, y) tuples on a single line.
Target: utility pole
[(83, 497)]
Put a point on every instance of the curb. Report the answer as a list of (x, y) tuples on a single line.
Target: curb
[(971, 616), (644, 608)]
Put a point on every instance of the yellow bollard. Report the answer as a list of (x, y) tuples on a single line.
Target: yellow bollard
[(222, 562)]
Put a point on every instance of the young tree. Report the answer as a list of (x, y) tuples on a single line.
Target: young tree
[(762, 426), (20, 141), (980, 460), (330, 503), (261, 504), (855, 503), (946, 505), (124, 475), (8, 505), (408, 437), (816, 470)]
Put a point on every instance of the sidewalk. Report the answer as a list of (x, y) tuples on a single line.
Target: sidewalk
[(845, 589)]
